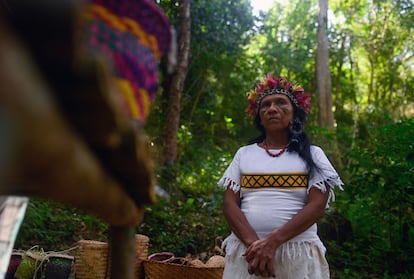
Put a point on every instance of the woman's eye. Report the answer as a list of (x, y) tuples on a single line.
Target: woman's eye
[(265, 105)]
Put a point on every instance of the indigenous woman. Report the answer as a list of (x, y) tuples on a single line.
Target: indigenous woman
[(277, 188)]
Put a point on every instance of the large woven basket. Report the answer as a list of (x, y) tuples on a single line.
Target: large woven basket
[(162, 270), (141, 250), (92, 258)]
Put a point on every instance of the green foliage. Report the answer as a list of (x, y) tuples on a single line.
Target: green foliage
[(288, 41), (190, 226), (191, 222), (220, 27), (371, 56), (55, 227), (219, 74), (378, 201)]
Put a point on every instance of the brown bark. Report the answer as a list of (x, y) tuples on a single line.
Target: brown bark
[(177, 85), (325, 117)]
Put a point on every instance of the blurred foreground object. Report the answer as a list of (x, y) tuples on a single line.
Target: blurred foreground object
[(76, 85), (66, 72), (12, 211), (134, 35)]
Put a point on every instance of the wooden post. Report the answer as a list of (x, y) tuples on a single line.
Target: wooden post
[(122, 252)]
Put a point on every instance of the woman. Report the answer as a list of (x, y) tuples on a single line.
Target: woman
[(277, 187)]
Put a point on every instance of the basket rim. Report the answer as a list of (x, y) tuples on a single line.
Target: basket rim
[(91, 241), (148, 262), (61, 256)]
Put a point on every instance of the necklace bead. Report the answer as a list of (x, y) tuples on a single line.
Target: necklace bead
[(266, 147)]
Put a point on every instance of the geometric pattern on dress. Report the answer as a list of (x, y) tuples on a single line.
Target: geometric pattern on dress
[(274, 180)]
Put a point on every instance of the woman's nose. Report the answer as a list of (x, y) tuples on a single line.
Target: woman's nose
[(273, 107)]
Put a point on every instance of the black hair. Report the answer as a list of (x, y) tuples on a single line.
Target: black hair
[(299, 142)]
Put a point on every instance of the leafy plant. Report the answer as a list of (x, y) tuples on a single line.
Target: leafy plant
[(54, 227)]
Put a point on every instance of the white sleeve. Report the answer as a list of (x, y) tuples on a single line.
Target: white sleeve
[(231, 177), (324, 175)]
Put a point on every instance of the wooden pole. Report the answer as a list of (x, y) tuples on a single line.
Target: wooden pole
[(122, 252)]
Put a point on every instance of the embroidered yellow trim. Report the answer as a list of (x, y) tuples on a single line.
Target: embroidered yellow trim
[(274, 180)]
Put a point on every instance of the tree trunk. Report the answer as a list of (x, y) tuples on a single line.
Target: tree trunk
[(325, 117), (175, 91), (338, 101), (323, 76)]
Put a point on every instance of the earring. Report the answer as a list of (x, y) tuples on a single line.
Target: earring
[(296, 131), (296, 126)]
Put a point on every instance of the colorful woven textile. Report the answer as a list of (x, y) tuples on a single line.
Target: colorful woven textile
[(134, 34)]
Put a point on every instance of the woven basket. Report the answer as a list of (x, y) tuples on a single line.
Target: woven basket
[(59, 266), (141, 250), (162, 270), (91, 261), (31, 266)]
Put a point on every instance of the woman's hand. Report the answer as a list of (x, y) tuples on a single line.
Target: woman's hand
[(260, 255)]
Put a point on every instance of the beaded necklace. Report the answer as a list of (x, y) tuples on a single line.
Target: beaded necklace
[(266, 147)]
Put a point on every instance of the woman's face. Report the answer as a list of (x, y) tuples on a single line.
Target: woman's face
[(276, 112)]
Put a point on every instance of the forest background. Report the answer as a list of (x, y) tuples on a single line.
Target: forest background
[(362, 116)]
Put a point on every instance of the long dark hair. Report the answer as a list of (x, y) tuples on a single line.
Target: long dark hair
[(299, 142)]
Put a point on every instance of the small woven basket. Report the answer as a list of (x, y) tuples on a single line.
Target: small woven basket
[(31, 266), (162, 270), (59, 266)]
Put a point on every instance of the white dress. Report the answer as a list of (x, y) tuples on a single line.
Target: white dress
[(272, 191)]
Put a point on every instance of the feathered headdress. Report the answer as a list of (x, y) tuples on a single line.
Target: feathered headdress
[(277, 85)]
